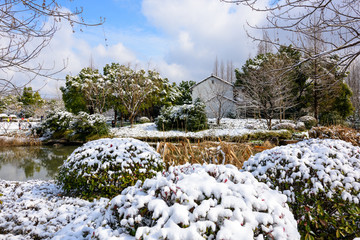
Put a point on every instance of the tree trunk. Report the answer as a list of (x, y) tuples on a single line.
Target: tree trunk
[(115, 116)]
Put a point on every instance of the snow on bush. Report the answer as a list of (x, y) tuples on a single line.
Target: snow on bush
[(86, 125), (104, 167), (62, 124), (284, 125), (36, 210), (309, 121), (322, 181), (197, 202), (56, 122), (188, 117), (144, 120)]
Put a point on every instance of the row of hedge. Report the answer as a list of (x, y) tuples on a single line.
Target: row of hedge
[(320, 180)]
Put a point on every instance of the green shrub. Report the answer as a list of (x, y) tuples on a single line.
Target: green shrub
[(65, 125), (57, 123), (86, 126), (309, 121), (105, 167), (144, 120), (188, 117), (202, 202), (322, 181)]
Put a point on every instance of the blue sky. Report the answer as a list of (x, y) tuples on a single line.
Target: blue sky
[(178, 38)]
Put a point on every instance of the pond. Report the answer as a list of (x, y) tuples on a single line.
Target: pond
[(32, 162)]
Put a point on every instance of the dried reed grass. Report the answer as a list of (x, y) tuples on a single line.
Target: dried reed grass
[(18, 139), (208, 152), (336, 132)]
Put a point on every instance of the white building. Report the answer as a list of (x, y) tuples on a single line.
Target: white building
[(218, 95)]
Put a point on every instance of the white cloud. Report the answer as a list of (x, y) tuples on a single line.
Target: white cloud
[(76, 53), (189, 36), (202, 30)]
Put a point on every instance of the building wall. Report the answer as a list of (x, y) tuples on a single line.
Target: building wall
[(215, 92)]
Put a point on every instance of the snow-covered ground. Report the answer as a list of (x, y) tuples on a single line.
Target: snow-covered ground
[(36, 209), (19, 126), (227, 128)]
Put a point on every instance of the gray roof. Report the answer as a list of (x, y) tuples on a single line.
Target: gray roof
[(213, 76)]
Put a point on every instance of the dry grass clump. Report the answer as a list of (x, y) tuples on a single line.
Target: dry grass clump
[(208, 152), (18, 139), (336, 132)]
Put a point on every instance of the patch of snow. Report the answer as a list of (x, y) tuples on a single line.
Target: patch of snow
[(227, 128), (202, 201)]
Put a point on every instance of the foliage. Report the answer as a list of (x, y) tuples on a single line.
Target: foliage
[(322, 181), (137, 90), (65, 125), (336, 132), (30, 100), (202, 202), (93, 89), (188, 117), (86, 126), (309, 121), (266, 84), (338, 107), (144, 120), (104, 167), (185, 89), (72, 96), (56, 124)]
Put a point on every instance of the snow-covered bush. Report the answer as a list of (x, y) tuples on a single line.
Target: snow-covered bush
[(86, 126), (188, 117), (144, 120), (300, 126), (57, 123), (202, 202), (284, 125), (322, 181), (62, 124), (106, 166), (309, 121)]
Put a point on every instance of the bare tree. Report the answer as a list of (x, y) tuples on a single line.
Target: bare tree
[(353, 80), (26, 28), (221, 100), (266, 85), (226, 73), (338, 20)]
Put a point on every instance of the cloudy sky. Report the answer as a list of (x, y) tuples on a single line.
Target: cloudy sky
[(178, 38)]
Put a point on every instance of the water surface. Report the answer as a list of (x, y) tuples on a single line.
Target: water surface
[(32, 162)]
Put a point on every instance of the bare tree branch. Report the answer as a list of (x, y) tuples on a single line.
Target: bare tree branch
[(337, 20), (26, 28)]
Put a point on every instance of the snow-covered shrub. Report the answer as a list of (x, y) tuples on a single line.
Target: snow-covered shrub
[(86, 126), (309, 121), (57, 123), (106, 166), (300, 126), (62, 124), (322, 181), (202, 202), (144, 120), (189, 117), (284, 125)]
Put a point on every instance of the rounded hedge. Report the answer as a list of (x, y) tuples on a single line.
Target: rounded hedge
[(322, 181), (187, 117), (202, 202), (105, 167)]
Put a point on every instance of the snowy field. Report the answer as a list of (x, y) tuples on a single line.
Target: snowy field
[(227, 128)]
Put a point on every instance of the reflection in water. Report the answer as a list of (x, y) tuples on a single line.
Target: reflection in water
[(32, 162)]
